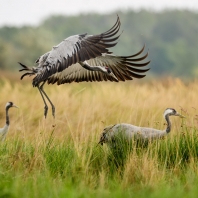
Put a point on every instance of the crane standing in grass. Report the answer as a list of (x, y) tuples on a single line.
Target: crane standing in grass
[(129, 131), (85, 57), (4, 130)]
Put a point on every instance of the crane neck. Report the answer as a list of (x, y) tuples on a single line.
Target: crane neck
[(168, 128), (7, 116), (91, 68)]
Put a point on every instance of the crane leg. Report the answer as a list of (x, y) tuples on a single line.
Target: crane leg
[(45, 107), (52, 105)]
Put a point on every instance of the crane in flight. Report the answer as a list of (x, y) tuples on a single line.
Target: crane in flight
[(85, 57)]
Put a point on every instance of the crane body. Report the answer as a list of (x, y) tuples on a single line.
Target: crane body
[(129, 131)]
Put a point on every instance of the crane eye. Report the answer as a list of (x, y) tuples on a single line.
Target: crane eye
[(109, 70)]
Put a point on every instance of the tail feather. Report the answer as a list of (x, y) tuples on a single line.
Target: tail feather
[(30, 74), (25, 68)]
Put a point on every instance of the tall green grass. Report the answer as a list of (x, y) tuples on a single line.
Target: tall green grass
[(61, 158), (58, 169)]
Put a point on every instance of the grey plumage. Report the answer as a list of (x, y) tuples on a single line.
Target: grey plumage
[(4, 130), (85, 57), (129, 131)]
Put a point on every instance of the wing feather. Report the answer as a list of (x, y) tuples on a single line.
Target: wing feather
[(123, 67), (54, 66), (77, 48)]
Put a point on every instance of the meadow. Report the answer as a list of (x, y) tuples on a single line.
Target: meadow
[(60, 157)]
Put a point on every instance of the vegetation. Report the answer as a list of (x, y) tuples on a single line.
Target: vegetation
[(170, 36), (60, 157)]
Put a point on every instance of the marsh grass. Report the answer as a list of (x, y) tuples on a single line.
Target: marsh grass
[(61, 158)]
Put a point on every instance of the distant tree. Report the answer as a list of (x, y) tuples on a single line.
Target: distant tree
[(170, 36)]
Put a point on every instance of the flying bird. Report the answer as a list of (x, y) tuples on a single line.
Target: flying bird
[(4, 130), (129, 131), (85, 57)]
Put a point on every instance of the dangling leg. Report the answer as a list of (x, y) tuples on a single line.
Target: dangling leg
[(45, 107), (53, 107)]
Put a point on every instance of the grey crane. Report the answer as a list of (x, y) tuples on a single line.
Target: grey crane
[(85, 57), (4, 130), (129, 131)]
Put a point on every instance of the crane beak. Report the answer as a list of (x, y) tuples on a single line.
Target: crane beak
[(14, 106), (181, 116), (112, 74)]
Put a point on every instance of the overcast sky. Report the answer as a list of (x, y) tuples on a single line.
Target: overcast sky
[(31, 12)]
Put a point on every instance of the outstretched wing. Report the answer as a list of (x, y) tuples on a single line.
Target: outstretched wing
[(77, 48), (123, 67)]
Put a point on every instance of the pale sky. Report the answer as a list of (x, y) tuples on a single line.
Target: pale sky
[(31, 12)]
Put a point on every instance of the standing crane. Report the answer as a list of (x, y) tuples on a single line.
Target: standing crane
[(129, 131), (85, 57), (4, 130)]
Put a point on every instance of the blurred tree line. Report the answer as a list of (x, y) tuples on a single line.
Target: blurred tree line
[(170, 36)]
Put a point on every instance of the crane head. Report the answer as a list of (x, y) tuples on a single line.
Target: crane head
[(110, 73), (172, 112), (10, 104)]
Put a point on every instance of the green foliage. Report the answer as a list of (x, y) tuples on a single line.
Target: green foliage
[(56, 169), (170, 36), (59, 160)]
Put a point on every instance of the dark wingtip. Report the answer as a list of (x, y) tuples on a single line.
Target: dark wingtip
[(28, 73), (23, 75), (22, 65)]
